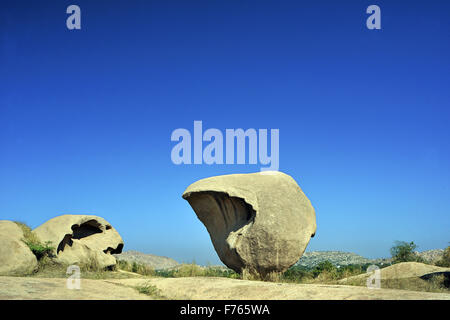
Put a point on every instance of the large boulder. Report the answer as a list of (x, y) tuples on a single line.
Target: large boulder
[(259, 222), (82, 239), (15, 256)]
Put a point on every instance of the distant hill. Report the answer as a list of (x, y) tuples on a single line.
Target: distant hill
[(431, 256), (309, 259), (338, 258), (157, 262)]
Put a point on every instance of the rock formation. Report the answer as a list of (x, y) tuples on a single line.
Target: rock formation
[(259, 222), (15, 256), (403, 270), (82, 239)]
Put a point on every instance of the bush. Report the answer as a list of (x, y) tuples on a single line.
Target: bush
[(194, 270), (350, 270), (212, 271), (324, 267), (404, 252), (149, 290), (445, 260), (40, 250), (189, 270), (135, 267), (296, 274), (324, 272), (90, 265)]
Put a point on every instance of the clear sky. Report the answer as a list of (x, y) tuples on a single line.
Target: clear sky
[(363, 115)]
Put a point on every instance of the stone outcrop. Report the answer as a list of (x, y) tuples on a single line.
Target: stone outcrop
[(259, 222), (82, 239), (403, 270), (15, 256)]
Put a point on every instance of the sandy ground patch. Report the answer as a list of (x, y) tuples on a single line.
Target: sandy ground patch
[(196, 288), (232, 289), (55, 289)]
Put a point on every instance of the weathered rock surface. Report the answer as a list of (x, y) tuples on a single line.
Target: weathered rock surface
[(197, 288), (206, 288), (82, 239), (15, 256), (261, 222), (29, 288)]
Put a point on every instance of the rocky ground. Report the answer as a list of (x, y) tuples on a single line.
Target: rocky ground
[(403, 270), (55, 289), (196, 288), (125, 285)]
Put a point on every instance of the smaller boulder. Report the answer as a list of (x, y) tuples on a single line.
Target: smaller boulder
[(15, 256), (82, 239)]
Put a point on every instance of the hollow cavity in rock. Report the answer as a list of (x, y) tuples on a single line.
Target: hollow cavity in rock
[(226, 219)]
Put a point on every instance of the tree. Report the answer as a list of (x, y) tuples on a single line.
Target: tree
[(324, 266), (445, 260), (403, 252)]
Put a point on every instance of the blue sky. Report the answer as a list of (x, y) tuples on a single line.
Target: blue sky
[(86, 115)]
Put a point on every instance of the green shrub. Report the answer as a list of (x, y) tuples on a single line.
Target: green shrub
[(404, 252), (296, 274), (189, 270), (149, 290), (350, 270), (40, 250), (324, 267), (212, 271), (445, 260), (194, 270), (165, 273), (324, 272)]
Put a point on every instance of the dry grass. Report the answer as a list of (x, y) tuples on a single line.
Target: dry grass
[(39, 249), (50, 268), (445, 260), (248, 274), (150, 290), (436, 283), (28, 235), (135, 267)]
